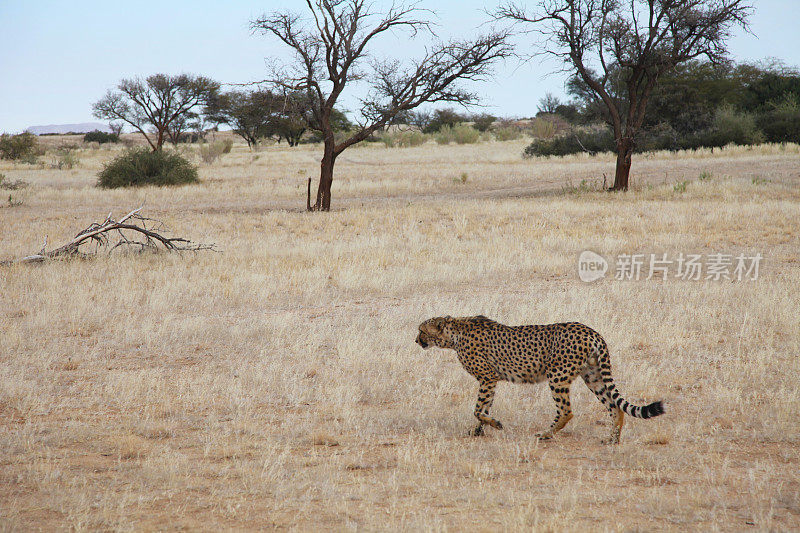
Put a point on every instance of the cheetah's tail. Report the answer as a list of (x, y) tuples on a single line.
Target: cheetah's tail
[(643, 411)]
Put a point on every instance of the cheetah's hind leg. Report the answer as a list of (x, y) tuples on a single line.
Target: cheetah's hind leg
[(594, 380)]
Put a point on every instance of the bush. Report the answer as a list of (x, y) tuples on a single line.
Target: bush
[(403, 139), (577, 140), (483, 122), (663, 137), (507, 130), (101, 137), (411, 138), (190, 137), (543, 128), (387, 139), (730, 127), (141, 166), (65, 158), (442, 118), (782, 123), (212, 151), (460, 134), (507, 133), (464, 134), (22, 147), (444, 135), (568, 112)]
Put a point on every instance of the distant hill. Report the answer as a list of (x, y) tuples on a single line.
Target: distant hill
[(62, 129)]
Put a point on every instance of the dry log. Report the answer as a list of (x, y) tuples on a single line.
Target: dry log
[(128, 229)]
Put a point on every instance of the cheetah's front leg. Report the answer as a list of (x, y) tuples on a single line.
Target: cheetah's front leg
[(560, 392), (485, 399)]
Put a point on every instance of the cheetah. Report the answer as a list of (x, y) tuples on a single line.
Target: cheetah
[(558, 353)]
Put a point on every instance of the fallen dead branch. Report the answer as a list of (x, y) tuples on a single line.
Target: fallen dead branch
[(132, 232)]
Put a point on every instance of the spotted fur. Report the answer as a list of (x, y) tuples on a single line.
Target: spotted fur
[(558, 353)]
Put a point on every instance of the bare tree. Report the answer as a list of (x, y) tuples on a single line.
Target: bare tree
[(159, 102), (634, 40), (330, 50), (116, 128), (548, 103)]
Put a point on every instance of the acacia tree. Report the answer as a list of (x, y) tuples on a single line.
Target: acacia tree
[(330, 49), (187, 122), (637, 40), (249, 114), (161, 103), (258, 114)]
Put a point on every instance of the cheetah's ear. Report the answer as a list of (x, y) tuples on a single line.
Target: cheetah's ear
[(431, 326), (438, 323)]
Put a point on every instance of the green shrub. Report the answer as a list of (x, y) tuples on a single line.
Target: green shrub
[(403, 139), (731, 127), (387, 139), (782, 123), (101, 137), (541, 128), (507, 130), (662, 137), (575, 141), (411, 138), (465, 134), (22, 147), (483, 121), (460, 134), (227, 146), (507, 133), (190, 137), (442, 118), (444, 135), (141, 166)]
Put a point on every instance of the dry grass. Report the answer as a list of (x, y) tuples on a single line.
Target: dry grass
[(277, 384)]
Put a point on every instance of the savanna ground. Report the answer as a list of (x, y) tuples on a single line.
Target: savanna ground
[(277, 384)]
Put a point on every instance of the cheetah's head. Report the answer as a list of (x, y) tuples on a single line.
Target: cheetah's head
[(435, 332)]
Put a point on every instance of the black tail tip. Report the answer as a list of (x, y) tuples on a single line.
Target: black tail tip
[(654, 409)]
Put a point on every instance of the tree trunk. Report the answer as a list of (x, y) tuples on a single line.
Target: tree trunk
[(325, 180), (159, 141), (624, 154)]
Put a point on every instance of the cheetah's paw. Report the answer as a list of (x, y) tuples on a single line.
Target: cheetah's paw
[(477, 431)]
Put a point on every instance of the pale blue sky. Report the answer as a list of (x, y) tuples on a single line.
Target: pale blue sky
[(57, 57)]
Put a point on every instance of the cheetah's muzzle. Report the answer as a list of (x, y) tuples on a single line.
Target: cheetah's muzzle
[(421, 342)]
